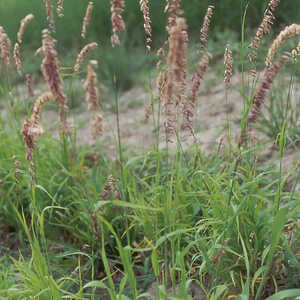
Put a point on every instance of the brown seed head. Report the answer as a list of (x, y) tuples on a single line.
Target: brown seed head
[(90, 86), (49, 13), (108, 187), (296, 52), (273, 4), (51, 73), (263, 29), (268, 78), (289, 31), (189, 104), (176, 73), (60, 8), (32, 129), (148, 111), (23, 25), (118, 25), (29, 140), (85, 50), (177, 59), (29, 86), (173, 10), (205, 26), (5, 45), (144, 6), (228, 66), (36, 111), (30, 143), (87, 19), (198, 76), (97, 125), (17, 58)]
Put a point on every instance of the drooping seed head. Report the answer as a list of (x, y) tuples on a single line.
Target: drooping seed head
[(23, 25), (85, 50), (287, 32)]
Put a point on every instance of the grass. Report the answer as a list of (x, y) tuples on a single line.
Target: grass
[(219, 224)]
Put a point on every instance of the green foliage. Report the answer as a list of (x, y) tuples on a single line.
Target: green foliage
[(220, 219), (227, 16)]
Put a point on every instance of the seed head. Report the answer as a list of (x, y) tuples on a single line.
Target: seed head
[(60, 8), (32, 129), (189, 104), (51, 74), (273, 4), (85, 50), (49, 13), (30, 143), (118, 25), (29, 86), (90, 86), (144, 6), (173, 10), (87, 19), (97, 125), (198, 76), (263, 29), (5, 45), (228, 66), (177, 59), (23, 25), (289, 31), (176, 74), (296, 52), (108, 187), (268, 78), (205, 26), (17, 58)]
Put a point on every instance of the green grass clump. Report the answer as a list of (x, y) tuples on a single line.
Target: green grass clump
[(190, 223)]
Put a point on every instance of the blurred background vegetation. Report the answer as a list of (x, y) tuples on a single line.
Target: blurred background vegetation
[(227, 16)]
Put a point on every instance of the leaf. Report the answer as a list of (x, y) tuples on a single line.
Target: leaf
[(285, 294)]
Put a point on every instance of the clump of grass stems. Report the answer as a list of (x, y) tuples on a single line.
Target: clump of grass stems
[(100, 228)]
